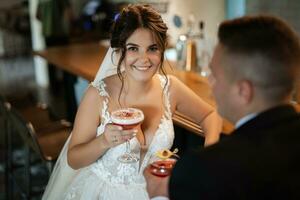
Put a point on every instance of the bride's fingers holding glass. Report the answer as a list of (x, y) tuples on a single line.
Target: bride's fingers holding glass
[(121, 136), (114, 135), (111, 134), (128, 134)]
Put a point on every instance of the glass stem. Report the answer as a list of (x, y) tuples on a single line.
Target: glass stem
[(127, 146)]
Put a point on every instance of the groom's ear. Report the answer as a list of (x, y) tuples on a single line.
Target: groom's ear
[(245, 91)]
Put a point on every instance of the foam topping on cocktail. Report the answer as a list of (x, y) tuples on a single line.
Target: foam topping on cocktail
[(127, 116)]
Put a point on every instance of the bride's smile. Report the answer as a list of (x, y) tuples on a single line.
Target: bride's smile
[(142, 68)]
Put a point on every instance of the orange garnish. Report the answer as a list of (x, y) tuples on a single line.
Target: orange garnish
[(166, 153)]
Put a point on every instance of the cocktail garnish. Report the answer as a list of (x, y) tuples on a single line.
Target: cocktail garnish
[(166, 153)]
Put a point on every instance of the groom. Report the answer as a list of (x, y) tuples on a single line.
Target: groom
[(254, 68)]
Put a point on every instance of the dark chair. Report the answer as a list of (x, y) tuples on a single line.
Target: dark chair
[(44, 144), (39, 115), (5, 140)]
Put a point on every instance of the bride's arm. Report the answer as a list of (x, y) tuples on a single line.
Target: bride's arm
[(191, 105), (85, 148)]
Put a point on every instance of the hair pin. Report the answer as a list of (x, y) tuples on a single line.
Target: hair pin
[(116, 17)]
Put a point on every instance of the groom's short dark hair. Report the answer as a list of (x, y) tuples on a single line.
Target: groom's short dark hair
[(268, 49)]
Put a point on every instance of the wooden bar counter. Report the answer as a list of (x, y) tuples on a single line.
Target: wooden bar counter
[(83, 60)]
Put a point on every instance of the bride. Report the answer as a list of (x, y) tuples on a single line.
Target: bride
[(131, 75)]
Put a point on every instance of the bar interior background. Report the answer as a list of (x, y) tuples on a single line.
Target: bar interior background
[(24, 78)]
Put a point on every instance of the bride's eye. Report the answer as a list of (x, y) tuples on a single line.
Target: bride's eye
[(132, 48), (153, 49)]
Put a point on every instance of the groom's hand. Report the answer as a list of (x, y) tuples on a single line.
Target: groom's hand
[(156, 186)]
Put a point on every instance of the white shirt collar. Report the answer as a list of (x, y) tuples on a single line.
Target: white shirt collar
[(244, 119)]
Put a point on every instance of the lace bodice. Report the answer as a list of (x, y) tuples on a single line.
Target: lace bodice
[(108, 167), (107, 178)]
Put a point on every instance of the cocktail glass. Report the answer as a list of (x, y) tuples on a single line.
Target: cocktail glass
[(163, 167), (128, 118)]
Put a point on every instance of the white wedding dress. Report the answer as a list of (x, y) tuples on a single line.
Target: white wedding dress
[(107, 178)]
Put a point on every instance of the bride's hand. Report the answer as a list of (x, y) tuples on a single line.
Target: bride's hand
[(114, 135)]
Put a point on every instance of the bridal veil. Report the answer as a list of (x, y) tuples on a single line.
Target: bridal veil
[(62, 174)]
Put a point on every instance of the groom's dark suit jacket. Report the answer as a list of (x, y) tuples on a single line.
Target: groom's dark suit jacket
[(260, 160)]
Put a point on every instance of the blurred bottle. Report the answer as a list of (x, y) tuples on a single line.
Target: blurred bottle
[(203, 51), (186, 47), (181, 51), (191, 56), (191, 23)]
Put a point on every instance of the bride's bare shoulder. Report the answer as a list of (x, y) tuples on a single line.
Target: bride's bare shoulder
[(112, 83), (91, 94), (111, 80), (175, 83)]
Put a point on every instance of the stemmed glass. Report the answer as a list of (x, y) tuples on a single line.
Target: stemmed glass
[(128, 118)]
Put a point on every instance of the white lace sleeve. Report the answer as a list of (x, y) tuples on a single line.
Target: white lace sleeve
[(105, 116), (100, 86)]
